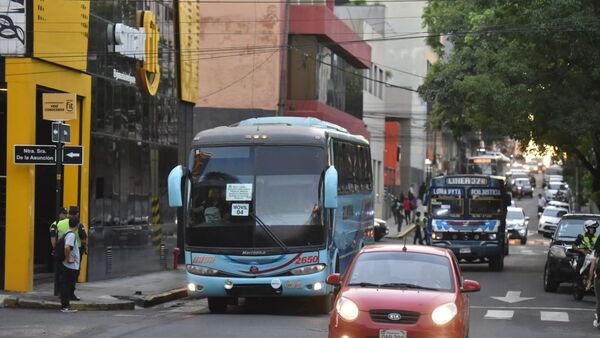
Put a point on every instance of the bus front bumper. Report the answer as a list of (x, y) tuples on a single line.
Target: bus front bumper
[(286, 286), (472, 250)]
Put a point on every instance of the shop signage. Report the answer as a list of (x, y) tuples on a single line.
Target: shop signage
[(12, 34), (117, 75), (141, 44), (59, 106)]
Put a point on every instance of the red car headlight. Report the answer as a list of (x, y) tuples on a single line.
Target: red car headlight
[(347, 309), (444, 313)]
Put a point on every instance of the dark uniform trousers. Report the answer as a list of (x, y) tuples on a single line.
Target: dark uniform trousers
[(67, 285)]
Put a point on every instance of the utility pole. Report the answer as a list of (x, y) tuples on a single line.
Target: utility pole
[(284, 61)]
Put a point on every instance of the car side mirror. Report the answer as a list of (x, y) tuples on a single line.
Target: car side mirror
[(333, 279), (470, 286)]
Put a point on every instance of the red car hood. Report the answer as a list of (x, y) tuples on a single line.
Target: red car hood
[(421, 301)]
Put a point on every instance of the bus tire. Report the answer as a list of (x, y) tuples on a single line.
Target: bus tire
[(497, 263), (324, 304), (217, 304)]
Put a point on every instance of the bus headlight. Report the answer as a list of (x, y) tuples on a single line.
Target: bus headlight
[(492, 236), (201, 270), (347, 309), (306, 270), (444, 313)]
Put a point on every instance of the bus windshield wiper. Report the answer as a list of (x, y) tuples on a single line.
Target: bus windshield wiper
[(267, 229)]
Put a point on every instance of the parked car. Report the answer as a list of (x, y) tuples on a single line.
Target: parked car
[(402, 291), (549, 220), (553, 187), (559, 268), (381, 229), (516, 224), (560, 204)]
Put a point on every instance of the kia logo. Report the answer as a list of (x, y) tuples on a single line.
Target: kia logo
[(394, 316)]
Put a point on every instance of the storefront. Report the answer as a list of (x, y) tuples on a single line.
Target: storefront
[(123, 60)]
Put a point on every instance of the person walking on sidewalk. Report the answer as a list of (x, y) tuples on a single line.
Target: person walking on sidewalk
[(407, 209), (70, 265), (397, 212), (62, 214), (418, 226)]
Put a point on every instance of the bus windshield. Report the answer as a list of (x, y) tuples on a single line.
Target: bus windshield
[(485, 206), (446, 206), (234, 188)]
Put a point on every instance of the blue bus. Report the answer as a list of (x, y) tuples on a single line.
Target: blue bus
[(272, 206), (467, 214)]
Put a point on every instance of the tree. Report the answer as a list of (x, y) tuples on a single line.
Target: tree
[(528, 69)]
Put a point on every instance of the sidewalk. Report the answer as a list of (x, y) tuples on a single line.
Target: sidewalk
[(113, 294)]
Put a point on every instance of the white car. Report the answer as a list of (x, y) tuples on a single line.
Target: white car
[(553, 187), (560, 204), (516, 224), (549, 220)]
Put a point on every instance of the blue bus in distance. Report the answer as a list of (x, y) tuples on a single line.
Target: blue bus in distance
[(467, 214), (271, 207)]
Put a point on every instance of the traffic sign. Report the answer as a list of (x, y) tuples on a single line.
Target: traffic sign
[(66, 132), (72, 155), (35, 154)]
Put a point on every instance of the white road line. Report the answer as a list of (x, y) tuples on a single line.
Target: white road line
[(551, 316), (498, 314), (541, 308), (127, 315)]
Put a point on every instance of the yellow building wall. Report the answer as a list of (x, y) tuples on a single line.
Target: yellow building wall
[(189, 42), (60, 31), (23, 75)]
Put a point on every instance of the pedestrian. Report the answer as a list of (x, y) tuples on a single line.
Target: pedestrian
[(407, 204), (63, 227), (418, 226), (425, 226), (394, 209), (70, 265), (413, 202), (62, 214), (422, 191)]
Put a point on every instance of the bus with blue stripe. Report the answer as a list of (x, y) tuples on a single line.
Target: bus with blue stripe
[(467, 214), (271, 207)]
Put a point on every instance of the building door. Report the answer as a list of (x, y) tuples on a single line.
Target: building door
[(45, 195)]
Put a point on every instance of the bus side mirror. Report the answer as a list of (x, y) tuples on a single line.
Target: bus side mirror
[(331, 185), (174, 182)]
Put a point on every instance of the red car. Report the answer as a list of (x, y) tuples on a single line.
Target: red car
[(396, 291)]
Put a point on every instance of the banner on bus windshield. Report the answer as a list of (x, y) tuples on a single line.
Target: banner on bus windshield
[(485, 192), (447, 192)]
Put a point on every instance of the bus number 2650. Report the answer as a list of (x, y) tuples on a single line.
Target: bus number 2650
[(307, 259)]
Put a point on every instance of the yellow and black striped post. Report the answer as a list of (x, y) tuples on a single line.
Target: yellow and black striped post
[(156, 228)]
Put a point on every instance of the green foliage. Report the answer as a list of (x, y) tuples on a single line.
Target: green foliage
[(528, 69)]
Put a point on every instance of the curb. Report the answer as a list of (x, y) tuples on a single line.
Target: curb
[(25, 303), (404, 233), (120, 303), (156, 298)]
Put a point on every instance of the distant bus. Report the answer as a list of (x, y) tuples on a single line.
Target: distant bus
[(273, 206), (488, 165), (467, 214)]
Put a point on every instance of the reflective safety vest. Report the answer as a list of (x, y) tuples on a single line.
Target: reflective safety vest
[(63, 227), (589, 242)]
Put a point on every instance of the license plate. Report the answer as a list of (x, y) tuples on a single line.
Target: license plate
[(392, 334), (465, 250)]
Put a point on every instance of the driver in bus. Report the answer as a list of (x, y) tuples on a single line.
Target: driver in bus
[(214, 208)]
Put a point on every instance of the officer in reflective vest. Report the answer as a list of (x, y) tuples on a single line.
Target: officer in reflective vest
[(584, 244)]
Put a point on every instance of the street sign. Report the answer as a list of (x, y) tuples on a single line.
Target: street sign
[(35, 154), (59, 106), (72, 155), (66, 129)]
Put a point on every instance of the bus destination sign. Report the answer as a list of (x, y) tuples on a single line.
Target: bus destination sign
[(467, 181), (485, 192), (447, 192)]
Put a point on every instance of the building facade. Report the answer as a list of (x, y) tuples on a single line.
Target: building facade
[(132, 67)]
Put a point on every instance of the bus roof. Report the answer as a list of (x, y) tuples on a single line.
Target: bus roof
[(276, 130)]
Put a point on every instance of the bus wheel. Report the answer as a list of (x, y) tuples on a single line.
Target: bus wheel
[(324, 304), (497, 263), (217, 305)]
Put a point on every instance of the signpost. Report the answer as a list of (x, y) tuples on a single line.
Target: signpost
[(72, 155), (35, 154)]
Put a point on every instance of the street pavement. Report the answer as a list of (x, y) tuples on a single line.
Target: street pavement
[(511, 303)]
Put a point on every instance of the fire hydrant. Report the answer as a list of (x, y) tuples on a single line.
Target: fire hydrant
[(175, 258)]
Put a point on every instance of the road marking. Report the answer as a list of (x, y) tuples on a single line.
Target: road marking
[(532, 308), (551, 316), (499, 314), (127, 315), (513, 297)]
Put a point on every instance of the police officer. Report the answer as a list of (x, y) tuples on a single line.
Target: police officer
[(585, 243), (62, 214), (418, 227)]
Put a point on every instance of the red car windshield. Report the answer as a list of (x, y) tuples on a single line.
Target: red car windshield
[(402, 269)]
